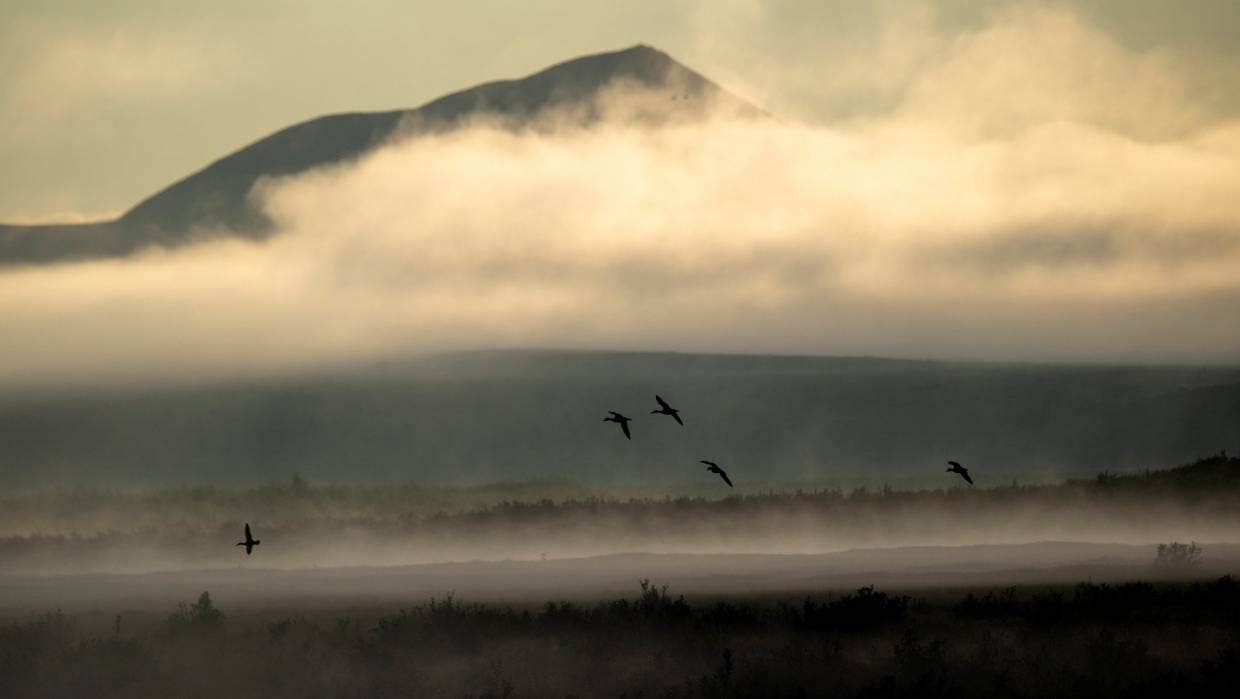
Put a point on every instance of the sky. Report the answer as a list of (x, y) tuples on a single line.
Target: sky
[(103, 103), (1029, 181)]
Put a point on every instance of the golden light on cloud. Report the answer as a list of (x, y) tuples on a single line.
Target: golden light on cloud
[(1039, 191), (735, 236)]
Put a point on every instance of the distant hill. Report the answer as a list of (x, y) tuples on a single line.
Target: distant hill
[(514, 416), (1211, 473), (214, 199)]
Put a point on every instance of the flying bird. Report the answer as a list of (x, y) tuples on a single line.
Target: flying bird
[(250, 542), (714, 468), (620, 420), (957, 468), (665, 409)]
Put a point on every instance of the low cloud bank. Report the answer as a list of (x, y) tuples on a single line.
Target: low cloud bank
[(1057, 237)]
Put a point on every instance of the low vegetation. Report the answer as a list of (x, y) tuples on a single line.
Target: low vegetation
[(1135, 639)]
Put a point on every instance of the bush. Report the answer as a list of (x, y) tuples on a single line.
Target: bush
[(866, 608), (1177, 557), (202, 617), (994, 604)]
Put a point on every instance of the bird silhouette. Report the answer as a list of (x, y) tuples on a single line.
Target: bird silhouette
[(620, 420), (957, 468), (250, 542), (665, 409), (714, 468)]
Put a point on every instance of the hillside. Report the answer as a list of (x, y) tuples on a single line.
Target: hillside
[(214, 199), (1219, 472), (506, 416)]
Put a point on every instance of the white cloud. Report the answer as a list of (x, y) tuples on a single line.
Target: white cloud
[(736, 236), (1038, 64), (1015, 206)]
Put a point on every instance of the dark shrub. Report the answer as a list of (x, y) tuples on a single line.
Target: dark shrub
[(863, 609), (201, 618), (994, 604)]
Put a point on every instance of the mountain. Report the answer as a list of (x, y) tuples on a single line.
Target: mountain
[(511, 416), (214, 199)]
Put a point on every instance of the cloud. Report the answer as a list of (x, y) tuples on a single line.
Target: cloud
[(819, 60), (52, 74), (983, 68), (1070, 232), (737, 236), (64, 217), (1037, 64)]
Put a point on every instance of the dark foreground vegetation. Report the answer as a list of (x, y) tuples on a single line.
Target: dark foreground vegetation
[(1134, 639)]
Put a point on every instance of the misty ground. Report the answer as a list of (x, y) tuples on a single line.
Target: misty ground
[(538, 590), (249, 586), (302, 526)]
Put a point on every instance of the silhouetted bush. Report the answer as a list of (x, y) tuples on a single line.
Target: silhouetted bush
[(201, 618), (864, 609), (655, 604), (994, 604), (1216, 601), (448, 622)]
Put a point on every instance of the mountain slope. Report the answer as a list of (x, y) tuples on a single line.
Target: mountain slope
[(511, 416), (215, 198)]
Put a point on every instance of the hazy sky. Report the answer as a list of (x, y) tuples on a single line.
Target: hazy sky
[(1024, 181)]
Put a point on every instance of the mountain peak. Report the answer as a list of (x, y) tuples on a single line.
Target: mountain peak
[(640, 62), (215, 199), (580, 81)]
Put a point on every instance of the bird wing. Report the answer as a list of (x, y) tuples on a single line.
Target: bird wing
[(954, 463), (662, 403), (708, 463), (676, 417), (625, 426), (248, 537), (725, 478), (966, 477)]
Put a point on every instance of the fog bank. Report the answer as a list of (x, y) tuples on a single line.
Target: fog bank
[(1063, 243), (1066, 220)]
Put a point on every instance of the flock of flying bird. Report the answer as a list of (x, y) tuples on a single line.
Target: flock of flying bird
[(613, 416), (665, 409)]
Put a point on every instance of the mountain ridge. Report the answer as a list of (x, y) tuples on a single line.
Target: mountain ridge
[(214, 198), (468, 419)]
